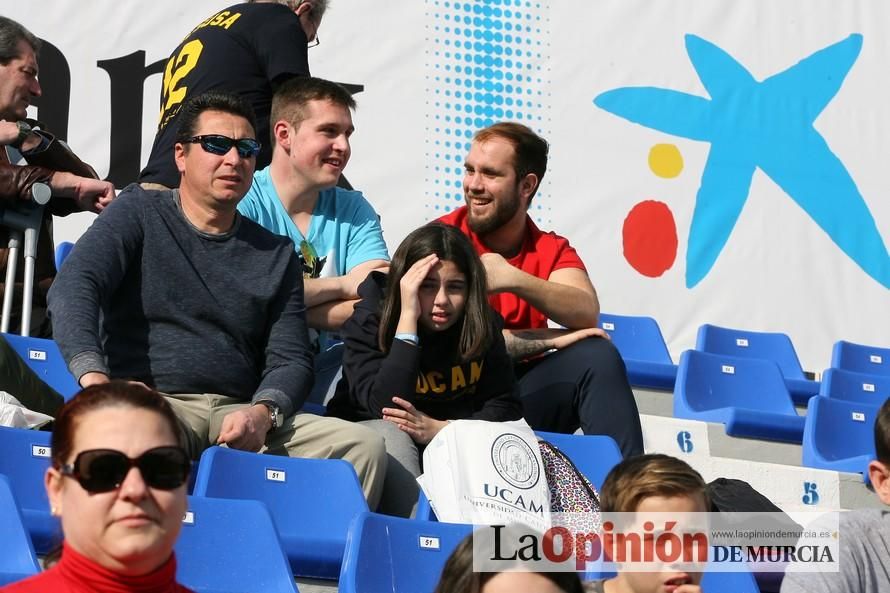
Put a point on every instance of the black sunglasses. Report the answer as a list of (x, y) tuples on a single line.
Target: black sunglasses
[(218, 144), (104, 470)]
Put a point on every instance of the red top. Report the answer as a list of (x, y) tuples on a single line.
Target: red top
[(76, 573), (541, 254)]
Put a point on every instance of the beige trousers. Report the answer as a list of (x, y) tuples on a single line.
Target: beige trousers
[(301, 435)]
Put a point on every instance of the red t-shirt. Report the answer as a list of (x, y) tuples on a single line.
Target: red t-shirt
[(76, 573), (541, 254)]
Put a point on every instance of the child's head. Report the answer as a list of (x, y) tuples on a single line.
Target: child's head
[(649, 476), (879, 470), (453, 293), (655, 484), (458, 576)]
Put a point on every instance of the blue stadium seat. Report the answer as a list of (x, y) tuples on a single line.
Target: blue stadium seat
[(43, 357), (748, 395), (860, 358), (231, 546), (738, 581), (313, 408), (62, 251), (839, 435), (392, 555), (857, 387), (424, 510), (17, 557), (642, 347), (312, 501), (593, 455), (751, 344), (24, 460)]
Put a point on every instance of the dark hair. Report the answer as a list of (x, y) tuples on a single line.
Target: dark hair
[(882, 433), (531, 150), (211, 101), (450, 244), (316, 12), (643, 476), (11, 33), (458, 576), (106, 395), (291, 98)]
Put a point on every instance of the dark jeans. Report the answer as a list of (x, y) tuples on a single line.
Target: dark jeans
[(584, 385)]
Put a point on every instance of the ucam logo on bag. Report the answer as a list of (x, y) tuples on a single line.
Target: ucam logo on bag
[(515, 461), (506, 485), (518, 465)]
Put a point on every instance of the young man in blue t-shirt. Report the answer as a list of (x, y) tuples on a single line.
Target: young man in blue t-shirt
[(336, 232)]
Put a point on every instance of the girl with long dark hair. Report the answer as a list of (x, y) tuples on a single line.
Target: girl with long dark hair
[(424, 347)]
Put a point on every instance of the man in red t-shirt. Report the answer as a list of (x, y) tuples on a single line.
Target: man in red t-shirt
[(536, 276)]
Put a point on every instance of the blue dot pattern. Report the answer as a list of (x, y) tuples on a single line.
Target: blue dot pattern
[(487, 61)]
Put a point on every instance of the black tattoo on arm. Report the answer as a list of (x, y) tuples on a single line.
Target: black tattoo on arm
[(523, 343)]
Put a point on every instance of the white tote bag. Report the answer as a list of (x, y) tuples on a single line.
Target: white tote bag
[(14, 414), (486, 473)]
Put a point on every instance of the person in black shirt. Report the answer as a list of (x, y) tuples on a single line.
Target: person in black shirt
[(247, 49), (423, 347)]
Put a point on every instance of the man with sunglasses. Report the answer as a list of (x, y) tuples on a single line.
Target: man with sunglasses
[(204, 305), (336, 231), (248, 49)]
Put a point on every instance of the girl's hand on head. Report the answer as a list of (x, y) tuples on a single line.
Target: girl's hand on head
[(420, 427), (410, 285)]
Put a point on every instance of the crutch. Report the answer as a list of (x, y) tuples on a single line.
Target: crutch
[(23, 222)]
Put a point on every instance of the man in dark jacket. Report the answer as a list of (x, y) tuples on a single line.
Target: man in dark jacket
[(248, 49), (29, 155)]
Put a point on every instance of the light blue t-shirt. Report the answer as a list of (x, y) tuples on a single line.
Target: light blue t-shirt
[(344, 230)]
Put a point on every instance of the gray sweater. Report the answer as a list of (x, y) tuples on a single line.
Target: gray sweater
[(181, 310), (864, 559)]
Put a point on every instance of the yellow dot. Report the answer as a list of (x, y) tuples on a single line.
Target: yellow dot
[(665, 160)]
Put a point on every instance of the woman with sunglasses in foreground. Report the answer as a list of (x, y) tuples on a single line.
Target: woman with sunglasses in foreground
[(423, 347), (118, 482)]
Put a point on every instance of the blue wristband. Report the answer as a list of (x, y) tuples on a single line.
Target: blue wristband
[(406, 337)]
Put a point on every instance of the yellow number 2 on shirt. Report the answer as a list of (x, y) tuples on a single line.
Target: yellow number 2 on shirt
[(177, 68)]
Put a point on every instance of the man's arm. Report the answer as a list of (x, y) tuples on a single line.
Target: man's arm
[(16, 182), (48, 151), (567, 296), (90, 195), (525, 343), (498, 384), (287, 373), (330, 316), (69, 176), (93, 272), (319, 291), (58, 167), (330, 301)]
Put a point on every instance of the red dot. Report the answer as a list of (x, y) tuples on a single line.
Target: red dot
[(650, 238)]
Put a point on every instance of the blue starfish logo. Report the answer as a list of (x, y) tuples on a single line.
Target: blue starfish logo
[(767, 124)]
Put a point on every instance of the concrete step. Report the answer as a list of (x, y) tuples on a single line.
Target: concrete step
[(720, 444), (771, 468)]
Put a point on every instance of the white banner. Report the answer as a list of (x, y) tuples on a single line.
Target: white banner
[(744, 187)]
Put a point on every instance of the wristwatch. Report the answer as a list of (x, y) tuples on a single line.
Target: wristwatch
[(274, 413), (24, 131)]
